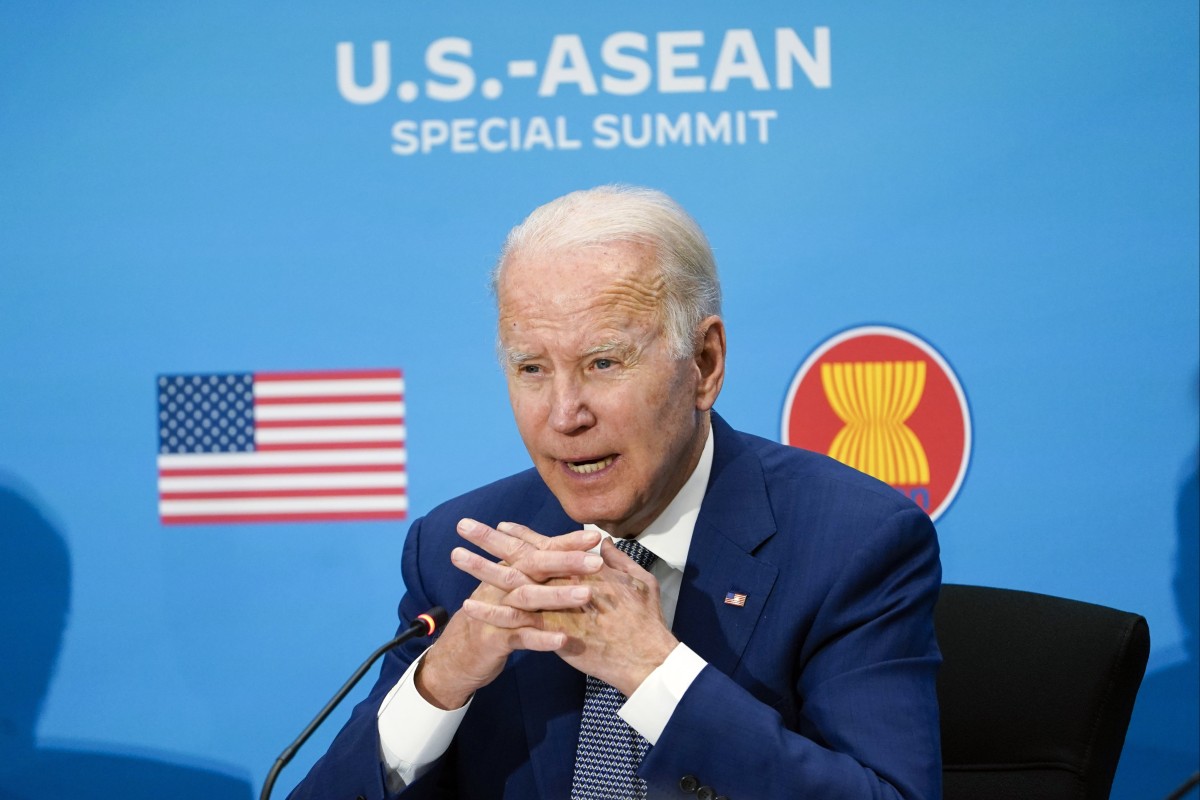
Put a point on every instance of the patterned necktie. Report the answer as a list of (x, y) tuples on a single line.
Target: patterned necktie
[(609, 751)]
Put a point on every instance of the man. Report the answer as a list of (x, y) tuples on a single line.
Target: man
[(779, 643)]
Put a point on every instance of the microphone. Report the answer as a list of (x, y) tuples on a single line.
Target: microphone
[(424, 625)]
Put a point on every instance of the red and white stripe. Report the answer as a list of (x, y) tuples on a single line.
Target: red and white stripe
[(329, 446)]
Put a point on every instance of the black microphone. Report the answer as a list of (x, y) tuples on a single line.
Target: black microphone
[(424, 625)]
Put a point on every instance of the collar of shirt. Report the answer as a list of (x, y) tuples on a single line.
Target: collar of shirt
[(669, 536)]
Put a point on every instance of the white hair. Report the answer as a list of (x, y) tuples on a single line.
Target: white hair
[(616, 213)]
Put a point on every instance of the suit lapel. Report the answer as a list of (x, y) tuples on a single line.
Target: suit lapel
[(735, 519)]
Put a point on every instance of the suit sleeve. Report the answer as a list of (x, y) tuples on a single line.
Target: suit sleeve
[(864, 689), (352, 767)]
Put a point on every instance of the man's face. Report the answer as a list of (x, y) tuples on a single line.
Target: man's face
[(613, 423)]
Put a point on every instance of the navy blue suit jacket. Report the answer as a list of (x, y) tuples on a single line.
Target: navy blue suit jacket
[(822, 685)]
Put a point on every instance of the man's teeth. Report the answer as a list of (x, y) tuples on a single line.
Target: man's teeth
[(586, 467)]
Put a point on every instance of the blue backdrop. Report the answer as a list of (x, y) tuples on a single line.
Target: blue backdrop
[(200, 188)]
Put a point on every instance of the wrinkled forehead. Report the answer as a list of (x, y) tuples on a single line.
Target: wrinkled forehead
[(610, 287), (580, 271)]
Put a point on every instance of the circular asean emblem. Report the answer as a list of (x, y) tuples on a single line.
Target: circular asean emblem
[(886, 403)]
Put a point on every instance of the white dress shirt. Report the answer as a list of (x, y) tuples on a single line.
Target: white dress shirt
[(414, 733)]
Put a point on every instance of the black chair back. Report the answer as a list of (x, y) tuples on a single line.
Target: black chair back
[(1035, 693)]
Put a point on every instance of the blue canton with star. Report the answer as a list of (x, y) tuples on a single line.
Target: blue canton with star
[(206, 413)]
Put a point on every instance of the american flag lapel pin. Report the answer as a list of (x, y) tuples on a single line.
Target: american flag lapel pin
[(735, 599)]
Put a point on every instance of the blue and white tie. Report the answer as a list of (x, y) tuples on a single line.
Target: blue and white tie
[(609, 751)]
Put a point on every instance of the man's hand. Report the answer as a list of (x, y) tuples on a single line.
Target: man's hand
[(620, 637), (613, 628), (470, 653)]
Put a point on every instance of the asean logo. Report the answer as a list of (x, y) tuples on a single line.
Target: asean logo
[(885, 402)]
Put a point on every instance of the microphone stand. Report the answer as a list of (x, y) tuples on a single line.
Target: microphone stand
[(424, 625)]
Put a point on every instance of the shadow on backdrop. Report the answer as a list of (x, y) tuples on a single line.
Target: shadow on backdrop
[(1162, 747), (35, 591)]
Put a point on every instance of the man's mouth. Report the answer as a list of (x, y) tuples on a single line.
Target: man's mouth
[(588, 467)]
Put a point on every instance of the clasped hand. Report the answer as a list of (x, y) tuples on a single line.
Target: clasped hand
[(600, 613)]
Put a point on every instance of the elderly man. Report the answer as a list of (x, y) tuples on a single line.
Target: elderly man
[(769, 634)]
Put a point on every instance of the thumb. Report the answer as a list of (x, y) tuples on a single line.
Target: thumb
[(617, 559)]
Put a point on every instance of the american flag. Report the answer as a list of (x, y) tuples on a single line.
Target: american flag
[(281, 446), (735, 599)]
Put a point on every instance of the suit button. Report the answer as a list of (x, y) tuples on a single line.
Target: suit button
[(689, 784), (705, 793)]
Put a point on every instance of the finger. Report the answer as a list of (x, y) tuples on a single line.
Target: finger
[(534, 639), (631, 572), (538, 597), (617, 559), (501, 545), (575, 540), (529, 591), (501, 576), (523, 629), (542, 565), (522, 532), (520, 607), (536, 566), (501, 616), (517, 638)]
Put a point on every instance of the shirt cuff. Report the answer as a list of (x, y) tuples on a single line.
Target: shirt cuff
[(649, 708), (413, 733)]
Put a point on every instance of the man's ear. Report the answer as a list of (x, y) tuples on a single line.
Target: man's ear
[(710, 362)]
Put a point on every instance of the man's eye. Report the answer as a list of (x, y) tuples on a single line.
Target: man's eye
[(529, 369), (602, 363)]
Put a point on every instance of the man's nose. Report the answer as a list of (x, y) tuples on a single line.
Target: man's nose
[(569, 409)]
